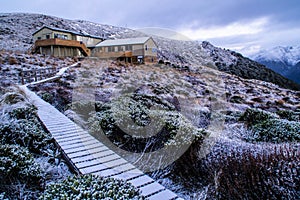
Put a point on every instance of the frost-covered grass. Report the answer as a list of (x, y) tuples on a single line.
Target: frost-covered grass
[(234, 161), (12, 63), (25, 162)]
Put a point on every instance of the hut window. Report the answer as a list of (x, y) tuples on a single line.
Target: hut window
[(128, 47), (146, 47), (121, 48), (47, 36)]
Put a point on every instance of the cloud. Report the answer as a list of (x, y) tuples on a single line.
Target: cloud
[(229, 23), (238, 28)]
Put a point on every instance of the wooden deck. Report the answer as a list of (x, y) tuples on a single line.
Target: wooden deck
[(63, 43), (88, 155)]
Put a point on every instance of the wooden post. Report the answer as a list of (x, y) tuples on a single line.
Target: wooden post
[(52, 50), (34, 74), (58, 51), (22, 77), (40, 74)]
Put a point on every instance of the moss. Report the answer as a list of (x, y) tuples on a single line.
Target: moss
[(91, 187)]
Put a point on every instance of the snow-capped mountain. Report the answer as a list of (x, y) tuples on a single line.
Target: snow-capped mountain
[(287, 55), (283, 60)]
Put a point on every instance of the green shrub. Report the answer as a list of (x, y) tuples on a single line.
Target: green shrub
[(289, 115), (28, 112), (91, 187), (268, 127), (26, 134), (47, 97), (17, 162), (276, 131), (169, 127), (253, 116), (24, 129)]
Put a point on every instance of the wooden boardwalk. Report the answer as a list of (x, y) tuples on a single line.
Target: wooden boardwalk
[(88, 155)]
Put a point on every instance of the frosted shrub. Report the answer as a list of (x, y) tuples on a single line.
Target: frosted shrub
[(254, 116), (268, 127), (23, 129), (276, 131), (11, 98), (91, 187), (17, 163), (289, 115), (169, 123)]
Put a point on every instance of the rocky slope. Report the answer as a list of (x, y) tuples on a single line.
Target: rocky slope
[(255, 124), (283, 60), (16, 30)]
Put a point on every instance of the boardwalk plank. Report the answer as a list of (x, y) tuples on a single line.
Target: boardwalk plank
[(115, 170), (129, 174), (78, 149), (104, 157), (88, 163), (71, 135), (74, 138), (77, 140), (142, 180), (72, 146), (151, 188), (93, 168), (101, 149), (165, 194)]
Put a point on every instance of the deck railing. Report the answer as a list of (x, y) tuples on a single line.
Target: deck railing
[(65, 43)]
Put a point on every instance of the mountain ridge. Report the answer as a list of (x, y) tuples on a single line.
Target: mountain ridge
[(16, 30), (283, 60)]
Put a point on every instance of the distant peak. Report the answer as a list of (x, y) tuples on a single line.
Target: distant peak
[(289, 55)]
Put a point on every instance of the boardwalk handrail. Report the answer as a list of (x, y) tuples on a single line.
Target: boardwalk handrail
[(30, 75)]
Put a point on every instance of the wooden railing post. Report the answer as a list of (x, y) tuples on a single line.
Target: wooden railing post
[(35, 74), (22, 77)]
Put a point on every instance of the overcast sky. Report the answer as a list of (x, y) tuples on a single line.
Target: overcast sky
[(243, 25)]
